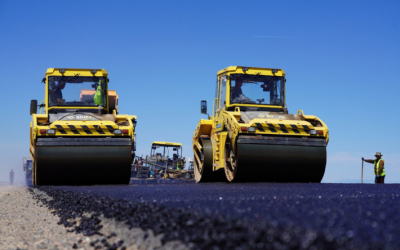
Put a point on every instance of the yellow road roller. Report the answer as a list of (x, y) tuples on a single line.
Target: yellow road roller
[(78, 137), (251, 137)]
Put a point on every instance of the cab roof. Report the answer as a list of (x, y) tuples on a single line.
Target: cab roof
[(251, 71), (72, 72), (166, 143)]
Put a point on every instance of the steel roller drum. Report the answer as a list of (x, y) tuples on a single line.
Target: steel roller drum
[(279, 161), (85, 162)]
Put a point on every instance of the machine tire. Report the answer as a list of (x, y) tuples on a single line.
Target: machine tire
[(231, 165), (203, 171)]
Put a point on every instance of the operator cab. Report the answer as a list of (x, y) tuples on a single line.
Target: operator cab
[(165, 153), (166, 149), (77, 91), (256, 89), (249, 89)]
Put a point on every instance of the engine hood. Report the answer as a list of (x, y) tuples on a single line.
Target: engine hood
[(248, 116), (80, 117)]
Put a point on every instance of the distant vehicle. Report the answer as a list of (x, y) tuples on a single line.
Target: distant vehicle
[(27, 168), (160, 155), (166, 160)]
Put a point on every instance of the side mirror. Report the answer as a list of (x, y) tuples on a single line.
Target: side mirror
[(154, 147), (33, 107), (134, 123), (203, 107)]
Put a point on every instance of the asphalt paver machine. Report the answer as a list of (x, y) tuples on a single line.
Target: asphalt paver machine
[(250, 135), (79, 138), (166, 159)]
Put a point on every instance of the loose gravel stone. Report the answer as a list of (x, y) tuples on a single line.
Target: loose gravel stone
[(26, 224), (88, 215)]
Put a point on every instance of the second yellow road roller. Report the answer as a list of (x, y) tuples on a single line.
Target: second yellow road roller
[(250, 135), (79, 138)]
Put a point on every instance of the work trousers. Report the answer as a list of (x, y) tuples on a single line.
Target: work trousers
[(380, 180), (11, 181)]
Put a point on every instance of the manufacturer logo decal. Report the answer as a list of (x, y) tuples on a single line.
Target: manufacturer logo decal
[(80, 118)]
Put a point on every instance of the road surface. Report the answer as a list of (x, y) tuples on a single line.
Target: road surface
[(246, 216)]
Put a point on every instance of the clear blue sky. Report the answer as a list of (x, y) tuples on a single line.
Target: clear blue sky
[(341, 58)]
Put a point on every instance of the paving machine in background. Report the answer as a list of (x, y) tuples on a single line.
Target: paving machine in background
[(252, 137), (27, 168), (162, 165), (79, 138)]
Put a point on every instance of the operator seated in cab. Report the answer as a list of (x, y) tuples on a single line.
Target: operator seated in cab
[(245, 89), (79, 94), (57, 92)]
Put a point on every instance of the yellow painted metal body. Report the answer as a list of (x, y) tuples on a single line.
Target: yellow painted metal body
[(226, 122), (167, 143), (79, 128)]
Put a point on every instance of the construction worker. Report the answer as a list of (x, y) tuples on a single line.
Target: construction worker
[(180, 165), (379, 167), (98, 96), (12, 177)]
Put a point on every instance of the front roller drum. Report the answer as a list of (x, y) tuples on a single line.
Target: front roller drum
[(275, 161), (83, 162)]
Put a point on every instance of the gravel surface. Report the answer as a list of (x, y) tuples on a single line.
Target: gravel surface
[(24, 224), (250, 216), (89, 216)]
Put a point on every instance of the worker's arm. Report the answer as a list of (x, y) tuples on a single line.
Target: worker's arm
[(369, 161), (60, 101), (380, 167)]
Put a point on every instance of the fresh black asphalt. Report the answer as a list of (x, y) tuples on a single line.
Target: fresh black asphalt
[(247, 216)]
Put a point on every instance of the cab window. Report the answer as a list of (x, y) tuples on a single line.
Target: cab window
[(222, 92)]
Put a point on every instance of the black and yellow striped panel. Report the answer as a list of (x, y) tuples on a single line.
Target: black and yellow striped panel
[(84, 129), (109, 127), (283, 128)]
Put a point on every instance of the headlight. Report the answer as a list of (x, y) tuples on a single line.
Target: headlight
[(117, 132), (251, 129), (313, 132), (51, 131)]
